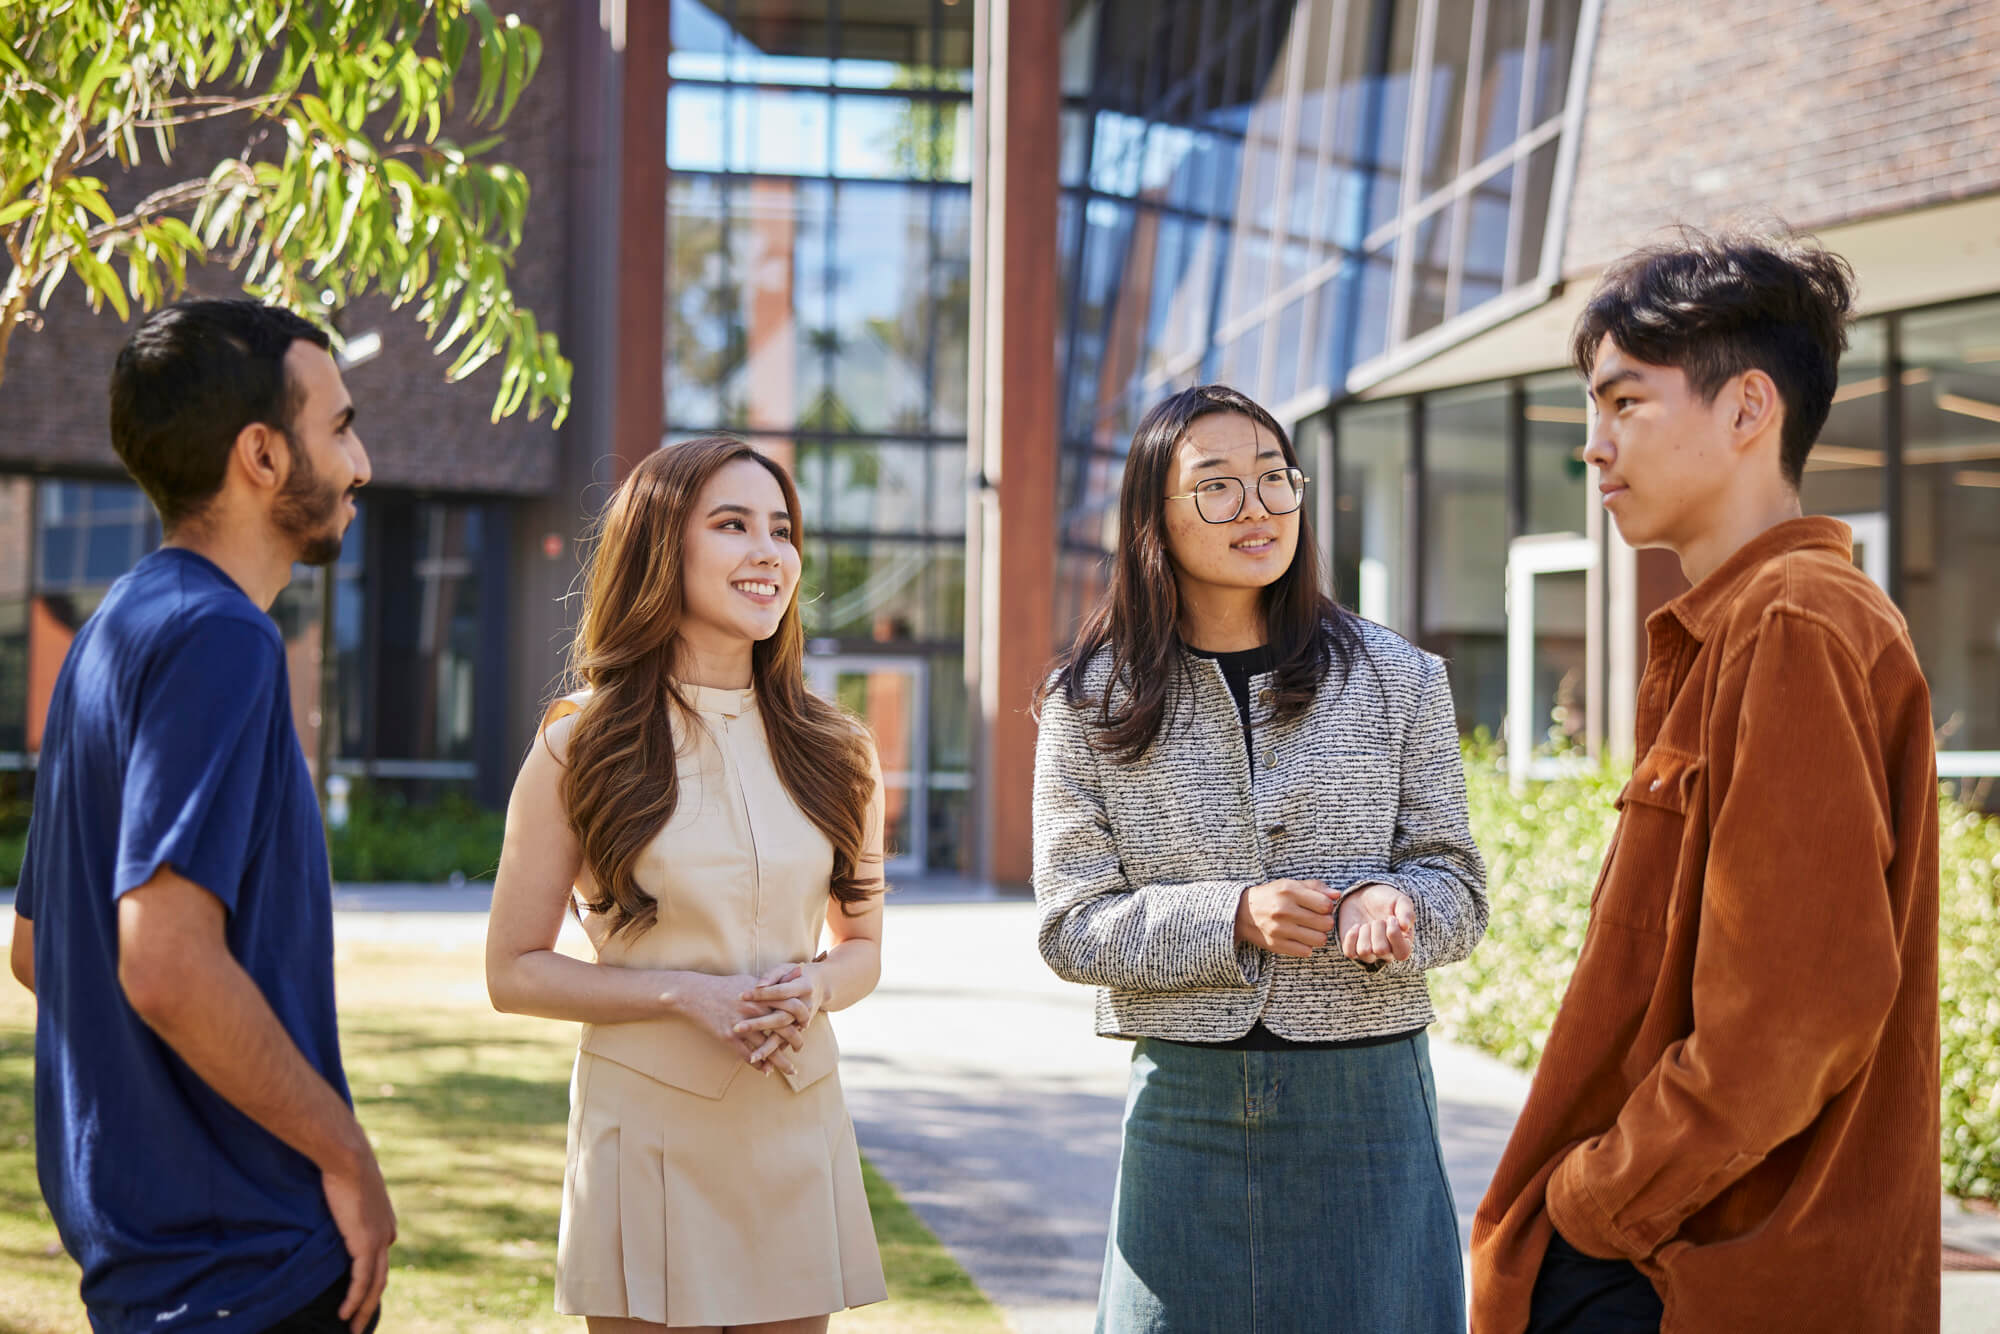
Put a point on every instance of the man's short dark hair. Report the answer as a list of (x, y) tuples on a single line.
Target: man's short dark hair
[(1718, 304), (186, 384)]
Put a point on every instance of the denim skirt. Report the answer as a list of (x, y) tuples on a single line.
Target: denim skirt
[(1274, 1192)]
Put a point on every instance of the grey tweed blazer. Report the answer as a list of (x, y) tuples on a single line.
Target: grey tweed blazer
[(1138, 868)]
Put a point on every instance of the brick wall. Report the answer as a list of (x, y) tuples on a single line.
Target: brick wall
[(421, 432), (1817, 113)]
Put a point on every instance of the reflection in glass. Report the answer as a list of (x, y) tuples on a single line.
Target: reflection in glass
[(875, 487), (951, 315), (748, 277), (1561, 722), (777, 41), (948, 498), (1498, 113), (1430, 273), (16, 503), (880, 590), (888, 698), (880, 337), (1847, 472), (1558, 49), (1557, 429), (1465, 548), (1530, 240), (779, 133), (1451, 54), (1369, 563), (1951, 519)]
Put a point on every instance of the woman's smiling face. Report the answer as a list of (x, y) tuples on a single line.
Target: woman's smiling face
[(740, 569), (1249, 551)]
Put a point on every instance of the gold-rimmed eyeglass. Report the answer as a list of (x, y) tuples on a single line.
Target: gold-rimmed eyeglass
[(1220, 499)]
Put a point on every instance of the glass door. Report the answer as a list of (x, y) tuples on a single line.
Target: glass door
[(889, 695), (1548, 596)]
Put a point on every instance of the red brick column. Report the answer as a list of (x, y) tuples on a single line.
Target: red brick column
[(639, 403), (1018, 103)]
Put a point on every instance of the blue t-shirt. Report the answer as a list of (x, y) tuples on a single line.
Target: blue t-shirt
[(169, 742)]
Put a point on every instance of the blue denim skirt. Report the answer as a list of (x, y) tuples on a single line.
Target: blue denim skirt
[(1274, 1192)]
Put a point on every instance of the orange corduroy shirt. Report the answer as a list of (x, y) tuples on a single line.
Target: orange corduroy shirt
[(1740, 1092)]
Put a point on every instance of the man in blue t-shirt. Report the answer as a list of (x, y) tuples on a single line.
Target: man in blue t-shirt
[(195, 1138)]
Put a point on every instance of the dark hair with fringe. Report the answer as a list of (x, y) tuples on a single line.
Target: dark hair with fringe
[(620, 785), (1718, 304), (1138, 616)]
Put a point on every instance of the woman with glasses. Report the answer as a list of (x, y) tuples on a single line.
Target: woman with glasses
[(1250, 835)]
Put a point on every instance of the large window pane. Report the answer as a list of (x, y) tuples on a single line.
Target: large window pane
[(1558, 478), (749, 264), (1465, 548), (697, 128), (16, 502), (1559, 20), (781, 41), (885, 590), (1430, 273), (880, 341), (701, 41), (875, 487), (783, 133), (1498, 113), (1951, 517), (1371, 572), (895, 138), (1444, 96), (951, 318), (1537, 180), (1846, 473)]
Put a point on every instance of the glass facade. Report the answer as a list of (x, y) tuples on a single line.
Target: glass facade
[(418, 627), (1949, 527), (1431, 490), (819, 269), (417, 623), (1431, 493), (1283, 195)]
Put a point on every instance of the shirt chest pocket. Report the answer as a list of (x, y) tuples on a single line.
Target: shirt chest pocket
[(1643, 872)]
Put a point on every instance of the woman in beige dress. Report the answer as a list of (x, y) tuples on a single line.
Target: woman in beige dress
[(707, 818)]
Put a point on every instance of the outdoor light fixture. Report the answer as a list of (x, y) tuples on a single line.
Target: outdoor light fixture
[(362, 347)]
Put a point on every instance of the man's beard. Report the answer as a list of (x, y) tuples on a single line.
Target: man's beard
[(308, 510)]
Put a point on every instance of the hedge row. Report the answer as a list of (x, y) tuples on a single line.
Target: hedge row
[(1543, 849)]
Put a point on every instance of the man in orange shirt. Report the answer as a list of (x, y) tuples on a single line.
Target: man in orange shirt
[(1735, 1122)]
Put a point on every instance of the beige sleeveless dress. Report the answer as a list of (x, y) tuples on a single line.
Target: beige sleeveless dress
[(699, 1191)]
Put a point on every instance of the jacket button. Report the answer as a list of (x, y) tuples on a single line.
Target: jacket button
[(1270, 759), (1276, 831), (1266, 696)]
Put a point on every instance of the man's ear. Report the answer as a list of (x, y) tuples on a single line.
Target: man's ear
[(262, 456), (1757, 407)]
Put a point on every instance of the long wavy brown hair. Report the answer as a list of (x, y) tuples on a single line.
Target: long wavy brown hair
[(1138, 617), (620, 786)]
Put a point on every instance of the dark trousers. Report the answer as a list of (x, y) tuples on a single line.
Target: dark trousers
[(321, 1315), (1580, 1294)]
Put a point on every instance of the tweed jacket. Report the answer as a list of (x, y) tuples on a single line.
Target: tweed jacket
[(1138, 867)]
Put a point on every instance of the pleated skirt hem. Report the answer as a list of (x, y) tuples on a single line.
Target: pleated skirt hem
[(684, 1210)]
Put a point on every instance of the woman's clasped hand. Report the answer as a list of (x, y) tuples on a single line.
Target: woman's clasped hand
[(779, 1007), (1372, 923)]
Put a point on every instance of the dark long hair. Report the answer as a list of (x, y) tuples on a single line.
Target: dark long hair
[(620, 786), (1138, 616)]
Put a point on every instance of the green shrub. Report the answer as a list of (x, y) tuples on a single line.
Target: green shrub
[(387, 838), (1543, 848), (1969, 998)]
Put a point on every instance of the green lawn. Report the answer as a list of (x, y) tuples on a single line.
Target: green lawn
[(467, 1110)]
